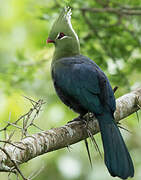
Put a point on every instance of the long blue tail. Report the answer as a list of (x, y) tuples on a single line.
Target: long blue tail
[(116, 155)]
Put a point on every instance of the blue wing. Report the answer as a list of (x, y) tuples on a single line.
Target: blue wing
[(84, 81)]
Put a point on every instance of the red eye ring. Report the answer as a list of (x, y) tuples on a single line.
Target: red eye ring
[(61, 34)]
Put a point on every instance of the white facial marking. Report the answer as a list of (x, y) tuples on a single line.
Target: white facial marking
[(62, 37)]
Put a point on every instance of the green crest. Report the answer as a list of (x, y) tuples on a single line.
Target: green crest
[(63, 35)]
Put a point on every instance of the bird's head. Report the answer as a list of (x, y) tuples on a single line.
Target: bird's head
[(63, 36)]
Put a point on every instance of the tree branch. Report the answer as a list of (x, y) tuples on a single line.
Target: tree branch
[(57, 138), (119, 11)]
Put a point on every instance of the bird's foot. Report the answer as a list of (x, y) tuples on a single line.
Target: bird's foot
[(78, 119)]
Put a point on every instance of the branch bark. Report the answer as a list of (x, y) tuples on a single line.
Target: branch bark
[(57, 138)]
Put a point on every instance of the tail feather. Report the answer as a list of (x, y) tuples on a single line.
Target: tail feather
[(116, 155)]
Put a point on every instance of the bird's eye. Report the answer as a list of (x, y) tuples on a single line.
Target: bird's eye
[(60, 35)]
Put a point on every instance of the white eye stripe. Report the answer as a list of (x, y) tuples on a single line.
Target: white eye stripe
[(57, 36), (62, 37)]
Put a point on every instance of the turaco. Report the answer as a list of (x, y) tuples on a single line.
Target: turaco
[(83, 86)]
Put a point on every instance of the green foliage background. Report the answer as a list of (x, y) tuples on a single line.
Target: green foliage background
[(112, 40)]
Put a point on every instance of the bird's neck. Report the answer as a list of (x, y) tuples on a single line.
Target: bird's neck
[(70, 48)]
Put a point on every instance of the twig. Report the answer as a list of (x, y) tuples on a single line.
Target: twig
[(27, 121), (88, 151), (115, 89), (14, 163), (36, 173), (118, 11), (137, 117), (57, 138), (119, 125), (7, 142)]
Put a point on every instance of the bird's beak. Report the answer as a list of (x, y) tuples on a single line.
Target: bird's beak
[(49, 41)]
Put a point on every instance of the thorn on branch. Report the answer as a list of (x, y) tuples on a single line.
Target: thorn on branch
[(137, 117), (119, 125), (115, 89), (16, 167), (27, 121), (36, 173)]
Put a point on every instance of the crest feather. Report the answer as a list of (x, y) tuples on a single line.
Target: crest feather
[(63, 24), (65, 14)]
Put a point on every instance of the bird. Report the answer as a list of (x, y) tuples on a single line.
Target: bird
[(83, 87)]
